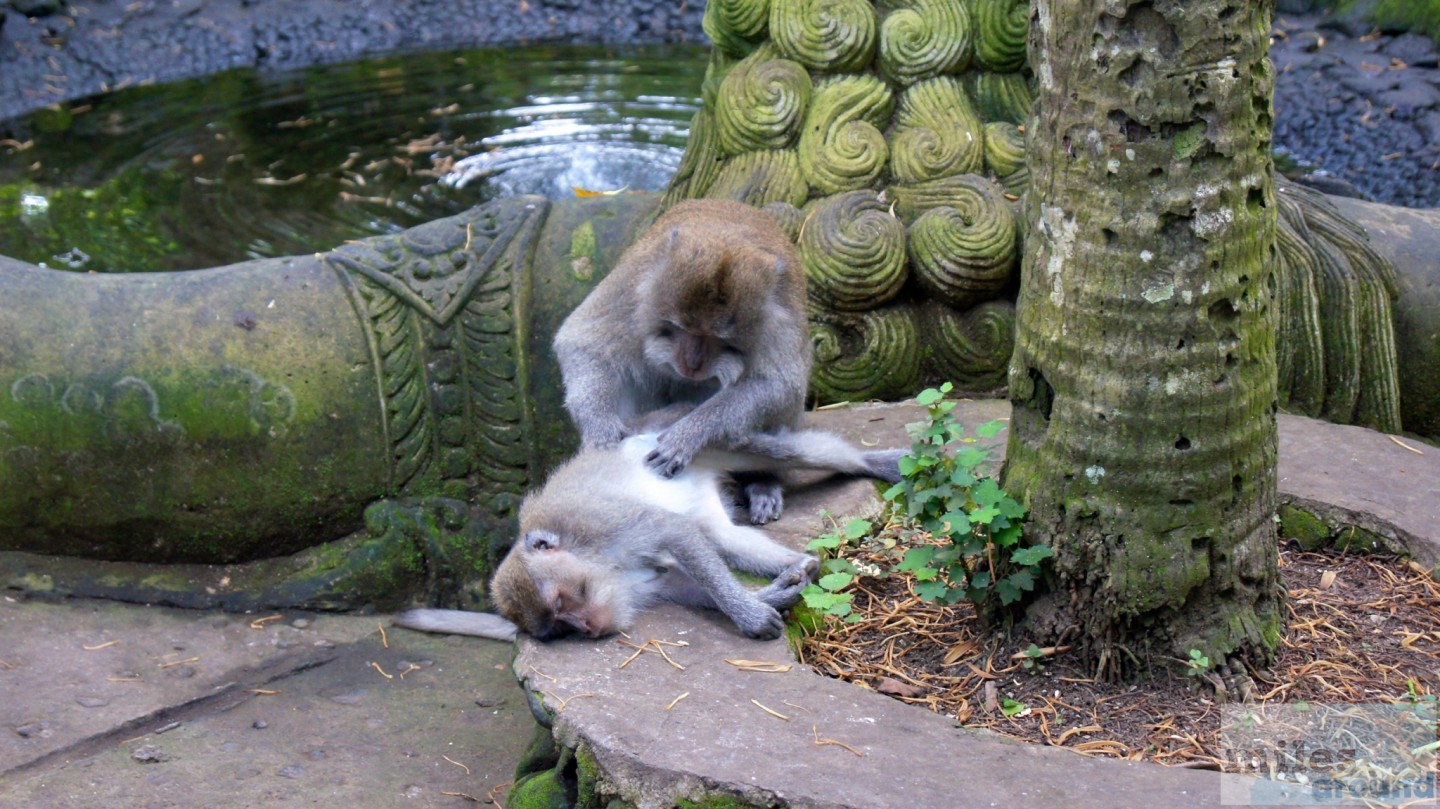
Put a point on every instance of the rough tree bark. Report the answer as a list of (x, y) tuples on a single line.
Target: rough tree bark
[(1143, 438)]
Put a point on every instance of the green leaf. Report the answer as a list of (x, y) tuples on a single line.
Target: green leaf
[(836, 581), (970, 457), (1007, 591), (1011, 508), (958, 520), (1010, 707), (930, 591), (854, 619), (857, 528), (1007, 536), (926, 574), (908, 465), (838, 565), (987, 492), (983, 516), (1031, 556), (827, 542), (963, 477), (1022, 579), (929, 396), (840, 610), (990, 429), (916, 558)]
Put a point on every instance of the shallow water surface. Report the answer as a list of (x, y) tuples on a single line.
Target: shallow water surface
[(247, 165)]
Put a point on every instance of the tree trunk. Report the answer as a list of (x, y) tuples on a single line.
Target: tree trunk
[(1143, 437)]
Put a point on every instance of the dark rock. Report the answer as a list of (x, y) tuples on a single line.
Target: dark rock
[(1428, 125), (36, 8), (1413, 49), (1411, 96), (1370, 84), (149, 754)]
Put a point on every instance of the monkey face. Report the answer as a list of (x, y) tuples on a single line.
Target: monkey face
[(694, 353), (549, 592)]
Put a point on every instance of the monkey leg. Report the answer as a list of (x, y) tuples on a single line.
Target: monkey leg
[(701, 560), (752, 550)]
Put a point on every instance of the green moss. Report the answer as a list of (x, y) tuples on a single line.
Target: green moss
[(1309, 531), (584, 253), (542, 790), (1353, 538), (714, 802), (1411, 15)]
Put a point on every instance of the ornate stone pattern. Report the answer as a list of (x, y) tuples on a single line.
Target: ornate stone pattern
[(445, 311)]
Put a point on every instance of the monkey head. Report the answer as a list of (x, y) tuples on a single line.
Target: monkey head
[(700, 315), (550, 592)]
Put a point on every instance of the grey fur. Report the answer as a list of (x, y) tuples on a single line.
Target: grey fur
[(618, 350)]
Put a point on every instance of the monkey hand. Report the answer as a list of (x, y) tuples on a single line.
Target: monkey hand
[(759, 620), (785, 590), (673, 453)]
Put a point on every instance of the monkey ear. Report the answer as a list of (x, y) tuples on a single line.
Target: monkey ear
[(540, 541)]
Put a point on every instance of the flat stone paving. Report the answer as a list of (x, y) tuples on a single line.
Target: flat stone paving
[(299, 712)]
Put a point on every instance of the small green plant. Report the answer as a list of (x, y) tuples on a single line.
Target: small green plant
[(1033, 658), (825, 597), (1197, 665), (1013, 707), (945, 491)]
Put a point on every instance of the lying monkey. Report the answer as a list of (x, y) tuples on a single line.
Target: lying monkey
[(606, 537)]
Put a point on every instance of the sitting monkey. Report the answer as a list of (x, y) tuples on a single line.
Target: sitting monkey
[(706, 308)]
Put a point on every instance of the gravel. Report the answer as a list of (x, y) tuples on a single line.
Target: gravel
[(1360, 110)]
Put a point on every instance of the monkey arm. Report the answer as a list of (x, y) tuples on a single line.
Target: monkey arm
[(593, 395), (752, 404)]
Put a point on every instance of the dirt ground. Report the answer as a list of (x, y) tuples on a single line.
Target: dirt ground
[(1361, 629)]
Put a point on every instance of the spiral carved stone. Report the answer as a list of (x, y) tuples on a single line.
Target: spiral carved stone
[(736, 26), (966, 251), (701, 163), (829, 35), (853, 251), (760, 178), (936, 134), (925, 39), (761, 103), (1001, 28), (790, 218), (1005, 156), (1001, 96), (841, 147), (970, 348), (874, 355)]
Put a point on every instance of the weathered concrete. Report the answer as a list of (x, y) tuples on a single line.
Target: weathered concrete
[(341, 734)]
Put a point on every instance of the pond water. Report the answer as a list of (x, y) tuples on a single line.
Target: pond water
[(248, 165)]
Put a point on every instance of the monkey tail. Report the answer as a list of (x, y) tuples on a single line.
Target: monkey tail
[(457, 622)]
